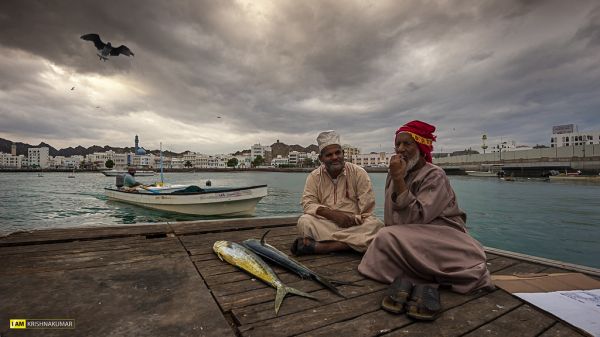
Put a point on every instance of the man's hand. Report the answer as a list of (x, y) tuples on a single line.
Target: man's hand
[(397, 167), (340, 218)]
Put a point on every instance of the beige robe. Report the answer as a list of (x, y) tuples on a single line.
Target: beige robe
[(353, 194), (425, 239)]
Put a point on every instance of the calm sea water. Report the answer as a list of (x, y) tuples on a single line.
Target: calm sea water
[(553, 220)]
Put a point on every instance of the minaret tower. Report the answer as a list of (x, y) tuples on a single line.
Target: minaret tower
[(483, 144)]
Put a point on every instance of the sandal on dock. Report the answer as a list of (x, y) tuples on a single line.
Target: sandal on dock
[(397, 295), (424, 303), (299, 248)]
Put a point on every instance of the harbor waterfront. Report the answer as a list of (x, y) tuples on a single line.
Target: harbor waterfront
[(555, 220)]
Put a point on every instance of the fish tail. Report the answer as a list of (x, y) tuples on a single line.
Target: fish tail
[(328, 284), (283, 290)]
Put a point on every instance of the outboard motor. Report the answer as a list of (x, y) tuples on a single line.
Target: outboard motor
[(120, 180)]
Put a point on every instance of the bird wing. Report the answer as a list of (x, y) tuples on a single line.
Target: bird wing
[(121, 50), (94, 38)]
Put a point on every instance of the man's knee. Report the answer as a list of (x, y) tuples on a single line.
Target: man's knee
[(305, 224), (384, 237)]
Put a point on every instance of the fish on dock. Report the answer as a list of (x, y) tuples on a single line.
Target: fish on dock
[(273, 254), (243, 258)]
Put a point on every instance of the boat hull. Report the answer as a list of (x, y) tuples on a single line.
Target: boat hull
[(239, 201), (114, 173), (481, 174)]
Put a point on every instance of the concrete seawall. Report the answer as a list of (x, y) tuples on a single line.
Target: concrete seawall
[(532, 162)]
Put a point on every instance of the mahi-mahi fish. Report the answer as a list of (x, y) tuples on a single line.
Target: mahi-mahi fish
[(273, 254), (243, 258)]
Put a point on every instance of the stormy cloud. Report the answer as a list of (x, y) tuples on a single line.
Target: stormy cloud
[(218, 76)]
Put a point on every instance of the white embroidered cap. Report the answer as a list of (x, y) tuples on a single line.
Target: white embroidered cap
[(326, 138)]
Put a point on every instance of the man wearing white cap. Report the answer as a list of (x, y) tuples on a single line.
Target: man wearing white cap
[(338, 202)]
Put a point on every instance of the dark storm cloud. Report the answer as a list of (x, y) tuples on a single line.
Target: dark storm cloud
[(294, 68)]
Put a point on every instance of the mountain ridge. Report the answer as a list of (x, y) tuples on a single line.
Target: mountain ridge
[(277, 148)]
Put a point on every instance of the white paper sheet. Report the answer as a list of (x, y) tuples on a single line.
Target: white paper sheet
[(580, 308)]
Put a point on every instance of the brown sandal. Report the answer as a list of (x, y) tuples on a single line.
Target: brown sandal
[(424, 303), (397, 295)]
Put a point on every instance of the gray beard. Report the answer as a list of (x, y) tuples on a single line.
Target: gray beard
[(411, 163)]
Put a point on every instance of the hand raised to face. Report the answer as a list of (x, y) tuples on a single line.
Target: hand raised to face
[(398, 167)]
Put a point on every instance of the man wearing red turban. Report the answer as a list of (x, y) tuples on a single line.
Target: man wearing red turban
[(424, 243)]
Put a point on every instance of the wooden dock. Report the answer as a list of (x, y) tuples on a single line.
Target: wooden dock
[(164, 280)]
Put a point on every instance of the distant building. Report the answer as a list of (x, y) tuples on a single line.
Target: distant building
[(508, 145), (100, 158), (296, 158), (38, 157), (350, 151), (279, 161), (373, 159), (11, 161), (260, 150), (568, 135)]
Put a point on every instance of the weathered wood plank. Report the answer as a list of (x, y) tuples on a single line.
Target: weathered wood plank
[(164, 297), (274, 233), (464, 318), (524, 321), (82, 233), (500, 263), (189, 227), (561, 330), (314, 318), (380, 321), (73, 246), (157, 244), (264, 293), (521, 268), (547, 262), (264, 311), (149, 251)]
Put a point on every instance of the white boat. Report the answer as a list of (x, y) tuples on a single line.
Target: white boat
[(113, 173), (492, 171), (207, 201), (481, 173)]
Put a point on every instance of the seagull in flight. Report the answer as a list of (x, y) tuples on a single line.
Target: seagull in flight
[(106, 49)]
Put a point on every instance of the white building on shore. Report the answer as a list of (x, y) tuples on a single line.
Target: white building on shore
[(39, 157), (373, 159), (280, 161), (568, 135), (11, 161)]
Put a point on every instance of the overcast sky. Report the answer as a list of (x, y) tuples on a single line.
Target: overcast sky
[(218, 76)]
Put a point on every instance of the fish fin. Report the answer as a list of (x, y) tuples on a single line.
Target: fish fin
[(283, 290), (328, 284), (262, 240), (220, 257)]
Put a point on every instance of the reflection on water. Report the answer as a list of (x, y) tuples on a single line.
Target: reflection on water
[(554, 220)]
